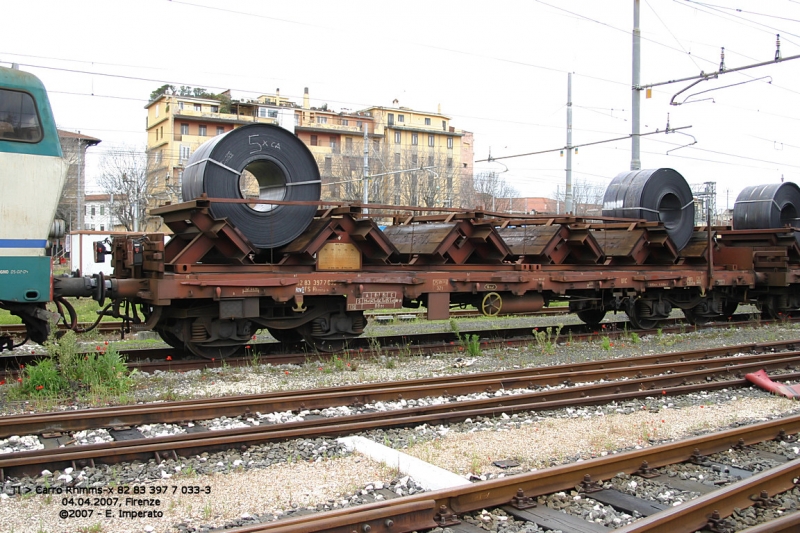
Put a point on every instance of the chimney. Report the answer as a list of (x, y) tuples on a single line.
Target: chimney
[(306, 105), (278, 95), (439, 109)]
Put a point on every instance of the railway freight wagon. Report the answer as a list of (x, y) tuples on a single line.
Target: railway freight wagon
[(253, 248)]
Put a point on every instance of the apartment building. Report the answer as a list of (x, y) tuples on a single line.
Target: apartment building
[(416, 157)]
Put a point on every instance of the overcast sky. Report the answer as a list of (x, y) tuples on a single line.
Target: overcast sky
[(498, 69)]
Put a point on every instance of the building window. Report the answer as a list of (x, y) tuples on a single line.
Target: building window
[(220, 130), (328, 165), (92, 211), (397, 160), (202, 130), (430, 140), (449, 142), (401, 118), (414, 139), (313, 140), (359, 124), (215, 109), (262, 112), (102, 227), (184, 129), (157, 106), (427, 121), (444, 126), (397, 137), (391, 119), (102, 210), (185, 152), (162, 132), (157, 157), (414, 160), (348, 144), (180, 106), (272, 113), (322, 120), (449, 162), (333, 142), (345, 122), (430, 160), (353, 164), (198, 107)]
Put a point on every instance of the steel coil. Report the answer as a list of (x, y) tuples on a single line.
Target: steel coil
[(256, 161), (767, 206), (660, 194)]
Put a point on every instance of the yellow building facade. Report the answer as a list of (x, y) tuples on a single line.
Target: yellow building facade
[(416, 158)]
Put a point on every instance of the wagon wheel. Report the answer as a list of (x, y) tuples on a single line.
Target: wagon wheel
[(634, 311), (170, 338), (288, 336), (328, 344), (591, 317), (491, 304), (695, 319), (212, 351)]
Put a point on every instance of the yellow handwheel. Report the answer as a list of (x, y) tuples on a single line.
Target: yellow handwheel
[(491, 304)]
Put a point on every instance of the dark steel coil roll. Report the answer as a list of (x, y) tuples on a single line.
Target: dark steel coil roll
[(256, 161), (767, 206), (660, 194)]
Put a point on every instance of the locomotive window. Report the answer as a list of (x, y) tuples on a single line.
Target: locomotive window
[(19, 120)]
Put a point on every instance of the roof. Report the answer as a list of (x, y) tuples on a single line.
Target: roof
[(89, 140)]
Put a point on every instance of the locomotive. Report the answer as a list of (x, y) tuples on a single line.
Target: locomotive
[(270, 255)]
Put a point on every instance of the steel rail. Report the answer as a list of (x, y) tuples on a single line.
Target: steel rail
[(691, 516), (680, 371), (193, 443), (788, 523), (379, 517)]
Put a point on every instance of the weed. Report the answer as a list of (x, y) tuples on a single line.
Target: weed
[(207, 511), (547, 338), (102, 373), (475, 464), (606, 343), (473, 345)]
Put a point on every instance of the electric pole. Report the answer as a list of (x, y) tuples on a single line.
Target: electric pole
[(568, 191), (365, 192), (636, 162)]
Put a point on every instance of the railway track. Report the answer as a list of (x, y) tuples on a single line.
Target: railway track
[(506, 392), (546, 388), (168, 358), (526, 496)]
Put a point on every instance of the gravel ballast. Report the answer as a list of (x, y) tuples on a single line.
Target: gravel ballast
[(268, 482)]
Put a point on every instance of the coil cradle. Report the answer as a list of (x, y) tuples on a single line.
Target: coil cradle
[(774, 205), (256, 161), (661, 195)]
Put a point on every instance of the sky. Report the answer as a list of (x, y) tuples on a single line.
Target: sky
[(497, 69)]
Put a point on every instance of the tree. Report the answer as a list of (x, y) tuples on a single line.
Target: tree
[(487, 188), (587, 198), (161, 90), (127, 177)]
